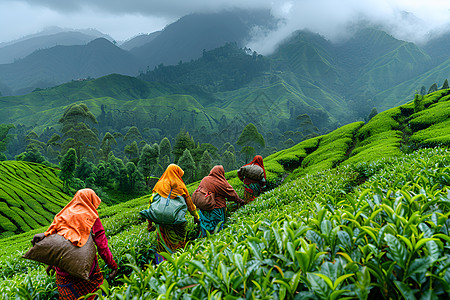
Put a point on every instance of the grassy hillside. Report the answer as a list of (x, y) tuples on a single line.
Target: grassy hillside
[(347, 214), (404, 91), (30, 195)]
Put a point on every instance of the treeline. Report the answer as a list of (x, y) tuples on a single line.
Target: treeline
[(120, 164), (224, 68)]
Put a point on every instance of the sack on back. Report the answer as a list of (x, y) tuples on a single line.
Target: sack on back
[(166, 211), (203, 199), (55, 250), (252, 171)]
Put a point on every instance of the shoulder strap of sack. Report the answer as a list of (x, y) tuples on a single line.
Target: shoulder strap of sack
[(168, 197)]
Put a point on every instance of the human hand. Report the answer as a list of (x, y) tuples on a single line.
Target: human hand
[(150, 226), (113, 273), (37, 238), (50, 271)]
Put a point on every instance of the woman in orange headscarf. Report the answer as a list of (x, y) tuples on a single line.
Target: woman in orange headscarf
[(172, 237), (75, 223), (253, 187)]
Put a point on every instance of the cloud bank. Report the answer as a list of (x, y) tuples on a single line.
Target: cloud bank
[(412, 20)]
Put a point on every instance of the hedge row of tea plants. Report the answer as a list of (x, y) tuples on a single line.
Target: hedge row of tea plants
[(323, 236), (387, 239), (30, 196)]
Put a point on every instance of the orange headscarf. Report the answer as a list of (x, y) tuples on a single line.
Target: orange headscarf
[(75, 221), (171, 179)]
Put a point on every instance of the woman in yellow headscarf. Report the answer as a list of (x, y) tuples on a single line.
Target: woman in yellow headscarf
[(172, 237)]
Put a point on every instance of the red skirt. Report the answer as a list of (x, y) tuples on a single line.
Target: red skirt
[(70, 287)]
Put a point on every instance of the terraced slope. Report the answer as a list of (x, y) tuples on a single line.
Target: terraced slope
[(30, 196), (402, 129)]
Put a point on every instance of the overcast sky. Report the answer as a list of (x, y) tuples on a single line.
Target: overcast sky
[(123, 19)]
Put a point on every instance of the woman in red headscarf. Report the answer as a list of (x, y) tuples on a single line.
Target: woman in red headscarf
[(252, 187), (216, 183), (75, 223), (172, 237)]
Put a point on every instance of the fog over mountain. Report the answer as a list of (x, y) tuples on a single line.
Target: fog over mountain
[(411, 20)]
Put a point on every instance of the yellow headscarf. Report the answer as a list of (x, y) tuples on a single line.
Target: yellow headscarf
[(171, 179)]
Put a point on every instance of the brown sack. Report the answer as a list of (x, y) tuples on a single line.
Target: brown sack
[(252, 171), (204, 201), (55, 250)]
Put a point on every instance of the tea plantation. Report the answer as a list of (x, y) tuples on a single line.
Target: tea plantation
[(359, 213)]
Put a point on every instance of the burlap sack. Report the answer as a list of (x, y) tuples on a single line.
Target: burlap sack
[(204, 201), (252, 171), (55, 250)]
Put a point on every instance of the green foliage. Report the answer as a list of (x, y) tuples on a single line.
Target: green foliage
[(224, 68), (380, 123), (31, 156), (132, 134), (67, 174), (5, 138), (30, 196), (132, 150), (433, 88), (248, 139), (436, 113), (165, 149), (418, 103), (357, 228), (183, 141), (187, 164), (75, 127), (229, 161), (148, 160), (106, 145), (434, 136), (445, 85), (205, 165)]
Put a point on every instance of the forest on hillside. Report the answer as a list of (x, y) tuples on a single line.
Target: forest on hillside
[(126, 163)]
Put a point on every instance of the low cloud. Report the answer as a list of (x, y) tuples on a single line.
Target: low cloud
[(412, 20)]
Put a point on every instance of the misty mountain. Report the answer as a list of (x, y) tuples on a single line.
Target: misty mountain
[(319, 74), (139, 40), (59, 64), (15, 50), (439, 48), (186, 38)]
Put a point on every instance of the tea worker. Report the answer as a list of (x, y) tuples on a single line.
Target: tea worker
[(253, 186), (216, 184), (173, 236), (75, 223)]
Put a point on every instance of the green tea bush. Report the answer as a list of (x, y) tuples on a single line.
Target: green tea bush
[(434, 136), (382, 122), (436, 113), (388, 240)]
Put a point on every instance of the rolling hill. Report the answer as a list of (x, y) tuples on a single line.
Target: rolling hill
[(19, 49), (60, 64)]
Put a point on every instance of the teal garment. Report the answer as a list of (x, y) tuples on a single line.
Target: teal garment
[(210, 219), (253, 188)]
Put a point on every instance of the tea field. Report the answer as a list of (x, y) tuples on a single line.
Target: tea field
[(30, 195), (359, 213)]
